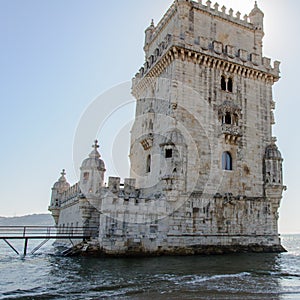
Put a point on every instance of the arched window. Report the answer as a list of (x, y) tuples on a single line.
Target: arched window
[(226, 84), (148, 164), (228, 118), (223, 83), (226, 161), (229, 85)]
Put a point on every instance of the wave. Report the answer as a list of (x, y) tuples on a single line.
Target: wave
[(199, 279), (194, 279)]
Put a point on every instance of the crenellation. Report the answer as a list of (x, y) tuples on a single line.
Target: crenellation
[(155, 31), (223, 8), (114, 184), (276, 67), (216, 7), (243, 55), (259, 70), (267, 63), (252, 59), (71, 193)]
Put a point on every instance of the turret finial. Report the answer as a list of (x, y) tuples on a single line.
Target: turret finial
[(152, 23), (96, 145), (255, 5), (62, 178)]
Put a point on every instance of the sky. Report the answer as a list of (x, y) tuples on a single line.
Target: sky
[(59, 57)]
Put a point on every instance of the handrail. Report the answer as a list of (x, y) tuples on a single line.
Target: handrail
[(46, 231)]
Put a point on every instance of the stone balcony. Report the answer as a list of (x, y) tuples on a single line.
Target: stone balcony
[(232, 133)]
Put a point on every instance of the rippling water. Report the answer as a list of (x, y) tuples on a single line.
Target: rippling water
[(238, 276)]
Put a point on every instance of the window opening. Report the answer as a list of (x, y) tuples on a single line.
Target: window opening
[(86, 175), (226, 84), (151, 124), (223, 83), (229, 85), (226, 161), (228, 118), (148, 165), (168, 153)]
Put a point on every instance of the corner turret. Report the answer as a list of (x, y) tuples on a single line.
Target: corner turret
[(273, 165), (148, 36), (92, 172), (256, 17), (58, 189), (273, 181)]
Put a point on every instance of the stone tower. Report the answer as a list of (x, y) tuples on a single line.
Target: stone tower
[(204, 117)]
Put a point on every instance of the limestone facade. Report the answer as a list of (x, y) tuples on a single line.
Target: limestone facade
[(205, 168)]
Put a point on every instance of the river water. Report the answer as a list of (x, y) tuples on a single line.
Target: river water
[(234, 276)]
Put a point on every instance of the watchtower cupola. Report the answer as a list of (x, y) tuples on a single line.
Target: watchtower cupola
[(58, 189), (273, 165), (256, 17), (92, 172), (148, 35)]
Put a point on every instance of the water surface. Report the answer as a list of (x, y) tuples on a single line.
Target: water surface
[(234, 276)]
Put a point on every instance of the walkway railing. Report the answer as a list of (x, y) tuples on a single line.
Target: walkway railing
[(45, 233)]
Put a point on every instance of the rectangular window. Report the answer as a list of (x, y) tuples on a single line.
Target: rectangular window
[(168, 153)]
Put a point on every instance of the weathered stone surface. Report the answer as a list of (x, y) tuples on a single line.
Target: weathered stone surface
[(206, 174)]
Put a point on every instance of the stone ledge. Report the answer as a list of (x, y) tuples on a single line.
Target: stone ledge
[(96, 251)]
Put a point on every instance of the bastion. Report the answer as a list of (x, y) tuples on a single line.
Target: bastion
[(206, 173)]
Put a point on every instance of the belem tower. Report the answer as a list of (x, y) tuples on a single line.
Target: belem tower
[(206, 174)]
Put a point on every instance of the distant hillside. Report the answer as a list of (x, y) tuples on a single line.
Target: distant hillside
[(29, 220)]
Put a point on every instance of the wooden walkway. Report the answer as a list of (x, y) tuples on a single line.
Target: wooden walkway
[(44, 233)]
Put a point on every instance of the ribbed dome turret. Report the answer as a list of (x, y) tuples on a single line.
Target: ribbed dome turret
[(257, 17), (272, 152), (94, 161), (61, 185), (256, 11)]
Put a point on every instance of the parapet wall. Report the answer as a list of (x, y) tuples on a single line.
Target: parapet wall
[(206, 30)]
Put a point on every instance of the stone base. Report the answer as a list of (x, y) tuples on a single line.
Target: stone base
[(85, 249)]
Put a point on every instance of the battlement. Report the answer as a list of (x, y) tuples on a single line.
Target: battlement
[(215, 10), (164, 20), (71, 194), (124, 198), (182, 33)]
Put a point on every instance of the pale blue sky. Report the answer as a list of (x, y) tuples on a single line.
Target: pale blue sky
[(59, 55)]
